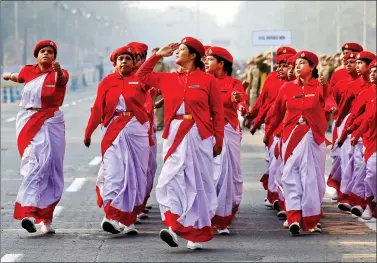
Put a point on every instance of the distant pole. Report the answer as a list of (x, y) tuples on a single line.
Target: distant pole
[(272, 58), (337, 26), (197, 18), (16, 36), (365, 25)]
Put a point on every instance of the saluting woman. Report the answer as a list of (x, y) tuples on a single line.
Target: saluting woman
[(193, 116)]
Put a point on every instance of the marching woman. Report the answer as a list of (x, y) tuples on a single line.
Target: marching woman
[(269, 84), (40, 131), (355, 171), (338, 90), (149, 107), (274, 179), (301, 106), (351, 158), (367, 130), (227, 169), (271, 93), (193, 116), (119, 106)]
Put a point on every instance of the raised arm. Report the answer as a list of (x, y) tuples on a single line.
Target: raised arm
[(145, 73)]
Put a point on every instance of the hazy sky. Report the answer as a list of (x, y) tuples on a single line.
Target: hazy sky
[(223, 11)]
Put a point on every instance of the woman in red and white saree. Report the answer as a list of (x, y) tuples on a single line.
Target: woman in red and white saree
[(119, 106), (227, 170), (193, 116), (40, 131), (301, 106)]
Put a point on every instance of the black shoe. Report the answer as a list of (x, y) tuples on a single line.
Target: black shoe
[(167, 237), (276, 205), (29, 225), (148, 207), (294, 229)]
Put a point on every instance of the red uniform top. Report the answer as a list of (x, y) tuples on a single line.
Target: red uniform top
[(52, 95), (227, 85), (338, 75), (339, 90), (196, 89), (296, 100), (272, 77), (108, 92), (352, 91), (270, 111), (367, 128), (270, 94)]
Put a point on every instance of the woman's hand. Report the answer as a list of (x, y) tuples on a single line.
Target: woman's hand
[(7, 75), (168, 50), (216, 150), (87, 142), (236, 96), (322, 80)]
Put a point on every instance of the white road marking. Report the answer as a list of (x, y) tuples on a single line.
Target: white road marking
[(11, 257), (96, 160), (10, 119), (73, 103), (79, 101), (57, 211), (76, 185), (65, 105)]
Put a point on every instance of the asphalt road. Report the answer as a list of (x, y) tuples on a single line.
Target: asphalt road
[(256, 233)]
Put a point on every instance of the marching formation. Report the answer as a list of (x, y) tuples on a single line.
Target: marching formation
[(200, 186), (295, 106)]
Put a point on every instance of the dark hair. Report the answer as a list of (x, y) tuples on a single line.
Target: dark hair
[(315, 70), (228, 66), (198, 63), (366, 60)]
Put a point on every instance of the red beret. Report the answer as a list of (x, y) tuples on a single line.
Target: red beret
[(308, 56), (285, 50), (283, 58), (366, 55), (291, 60), (44, 43), (221, 52), (206, 47), (142, 46), (350, 55), (121, 50), (195, 44), (373, 64), (352, 46)]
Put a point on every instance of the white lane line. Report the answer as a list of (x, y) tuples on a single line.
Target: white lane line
[(80, 100), (11, 257), (76, 185), (57, 211), (65, 105), (73, 103), (96, 160), (10, 119)]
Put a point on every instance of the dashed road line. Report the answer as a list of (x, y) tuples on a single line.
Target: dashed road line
[(11, 257), (10, 119), (96, 161), (65, 105), (76, 185)]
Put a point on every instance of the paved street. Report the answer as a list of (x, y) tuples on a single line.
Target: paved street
[(256, 234)]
